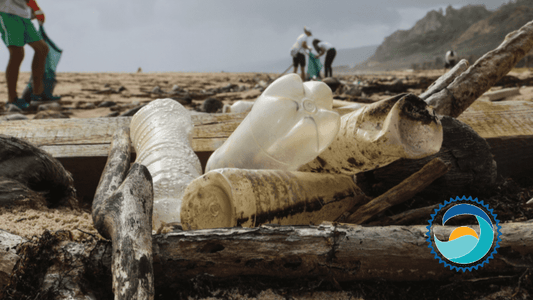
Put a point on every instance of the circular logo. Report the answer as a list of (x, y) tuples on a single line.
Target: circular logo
[(465, 249)]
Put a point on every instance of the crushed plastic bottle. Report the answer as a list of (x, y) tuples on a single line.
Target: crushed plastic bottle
[(237, 197), (378, 134), (161, 133), (288, 126)]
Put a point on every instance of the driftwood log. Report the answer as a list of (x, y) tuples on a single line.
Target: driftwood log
[(115, 171), (35, 171), (407, 216), (400, 193), (472, 167), (483, 74), (8, 255), (122, 211), (443, 81), (341, 253), (501, 94)]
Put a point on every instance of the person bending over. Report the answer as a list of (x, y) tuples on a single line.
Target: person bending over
[(298, 52), (17, 30), (329, 50)]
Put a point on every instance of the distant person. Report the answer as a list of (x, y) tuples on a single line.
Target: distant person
[(17, 30), (329, 50), (450, 59), (298, 51)]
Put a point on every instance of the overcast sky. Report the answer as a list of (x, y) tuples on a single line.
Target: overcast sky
[(213, 35)]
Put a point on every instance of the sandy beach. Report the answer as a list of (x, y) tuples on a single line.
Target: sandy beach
[(80, 91)]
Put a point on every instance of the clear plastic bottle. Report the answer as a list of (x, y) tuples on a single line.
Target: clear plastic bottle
[(161, 133), (288, 126), (237, 197)]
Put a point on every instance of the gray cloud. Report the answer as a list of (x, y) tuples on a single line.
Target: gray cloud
[(211, 35)]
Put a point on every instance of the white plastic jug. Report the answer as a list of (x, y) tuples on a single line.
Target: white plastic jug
[(161, 133), (289, 125)]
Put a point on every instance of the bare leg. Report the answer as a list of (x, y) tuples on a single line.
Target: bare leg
[(302, 68), (37, 65), (16, 55)]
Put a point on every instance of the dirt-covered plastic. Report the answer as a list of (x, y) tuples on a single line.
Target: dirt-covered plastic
[(249, 198)]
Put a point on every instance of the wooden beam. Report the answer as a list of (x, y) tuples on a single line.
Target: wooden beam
[(72, 138), (91, 137)]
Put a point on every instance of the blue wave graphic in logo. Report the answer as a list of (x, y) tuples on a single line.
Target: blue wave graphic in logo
[(464, 246), (467, 248)]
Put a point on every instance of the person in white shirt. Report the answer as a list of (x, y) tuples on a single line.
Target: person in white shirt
[(450, 59), (328, 49), (17, 30), (298, 51)]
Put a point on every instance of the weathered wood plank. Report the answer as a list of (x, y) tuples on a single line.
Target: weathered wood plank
[(100, 150), (91, 137), (92, 131), (499, 119)]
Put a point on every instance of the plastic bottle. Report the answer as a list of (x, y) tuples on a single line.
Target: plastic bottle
[(238, 107), (378, 134), (249, 198), (288, 126), (161, 133)]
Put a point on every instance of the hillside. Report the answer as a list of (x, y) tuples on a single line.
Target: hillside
[(471, 31)]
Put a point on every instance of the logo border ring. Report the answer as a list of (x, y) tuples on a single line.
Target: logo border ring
[(438, 256)]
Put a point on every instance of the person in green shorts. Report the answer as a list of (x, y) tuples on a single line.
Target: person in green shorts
[(17, 30)]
